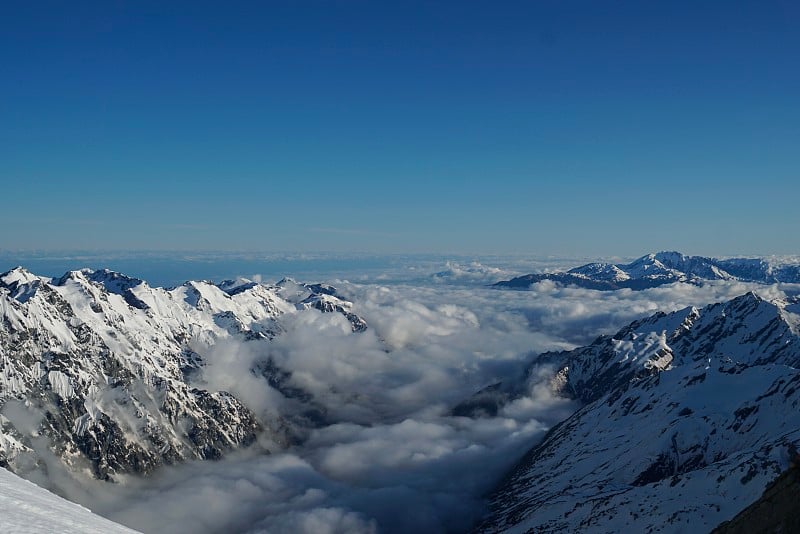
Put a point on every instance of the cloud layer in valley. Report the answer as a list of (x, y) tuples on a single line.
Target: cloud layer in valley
[(391, 457)]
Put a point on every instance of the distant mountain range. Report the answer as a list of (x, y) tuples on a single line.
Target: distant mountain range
[(662, 268), (687, 417)]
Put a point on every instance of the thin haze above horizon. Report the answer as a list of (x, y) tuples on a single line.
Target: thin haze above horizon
[(558, 128)]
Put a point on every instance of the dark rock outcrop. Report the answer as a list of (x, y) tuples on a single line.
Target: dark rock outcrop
[(776, 512)]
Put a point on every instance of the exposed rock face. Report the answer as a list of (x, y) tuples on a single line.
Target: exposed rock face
[(776, 512), (329, 304), (654, 270), (685, 422), (98, 368)]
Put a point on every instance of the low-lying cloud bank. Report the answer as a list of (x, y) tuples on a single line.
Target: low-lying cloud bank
[(391, 457)]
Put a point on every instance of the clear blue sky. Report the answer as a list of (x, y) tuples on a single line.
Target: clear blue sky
[(551, 127)]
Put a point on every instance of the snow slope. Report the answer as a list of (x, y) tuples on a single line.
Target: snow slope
[(27, 508), (687, 418)]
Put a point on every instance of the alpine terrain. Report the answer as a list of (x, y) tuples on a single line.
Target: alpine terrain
[(686, 419), (662, 268), (683, 419), (104, 372)]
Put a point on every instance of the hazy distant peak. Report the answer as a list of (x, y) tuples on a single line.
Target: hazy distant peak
[(666, 267), (17, 275)]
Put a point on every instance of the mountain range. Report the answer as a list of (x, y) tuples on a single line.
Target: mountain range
[(105, 372), (662, 268), (686, 418)]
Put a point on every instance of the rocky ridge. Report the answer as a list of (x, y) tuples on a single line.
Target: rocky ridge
[(99, 368), (686, 419)]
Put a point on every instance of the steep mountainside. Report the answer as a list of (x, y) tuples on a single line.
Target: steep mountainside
[(687, 418), (98, 368), (662, 268)]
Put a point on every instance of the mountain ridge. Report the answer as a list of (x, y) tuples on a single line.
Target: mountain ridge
[(661, 442), (103, 366), (661, 268), (107, 373)]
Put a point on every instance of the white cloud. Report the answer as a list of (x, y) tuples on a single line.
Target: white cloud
[(474, 272), (393, 458)]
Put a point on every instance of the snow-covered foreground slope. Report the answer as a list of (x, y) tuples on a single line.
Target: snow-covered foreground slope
[(27, 508), (662, 268), (688, 417)]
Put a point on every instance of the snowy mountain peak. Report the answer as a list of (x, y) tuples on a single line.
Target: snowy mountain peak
[(17, 276), (650, 266), (327, 303), (669, 257), (80, 276), (21, 284), (113, 281), (600, 271), (679, 408), (105, 364), (664, 267), (233, 287)]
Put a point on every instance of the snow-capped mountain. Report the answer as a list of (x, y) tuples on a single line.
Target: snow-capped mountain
[(320, 297), (99, 368), (687, 417), (662, 268)]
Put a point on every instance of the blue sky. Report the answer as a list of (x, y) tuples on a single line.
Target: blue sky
[(537, 127)]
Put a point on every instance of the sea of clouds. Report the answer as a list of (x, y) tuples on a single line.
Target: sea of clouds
[(391, 457)]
